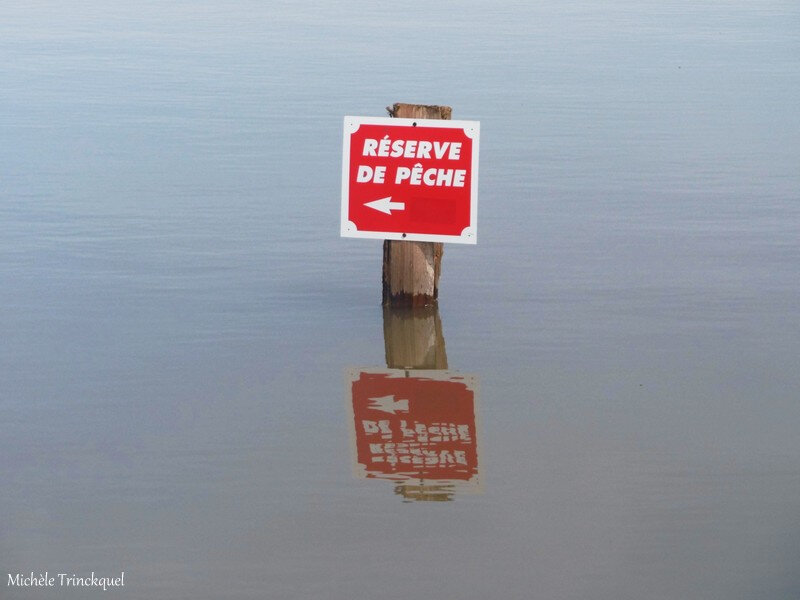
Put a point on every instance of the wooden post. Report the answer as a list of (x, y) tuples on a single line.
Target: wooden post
[(411, 269)]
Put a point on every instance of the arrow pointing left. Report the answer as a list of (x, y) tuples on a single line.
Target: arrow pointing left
[(385, 205), (388, 404)]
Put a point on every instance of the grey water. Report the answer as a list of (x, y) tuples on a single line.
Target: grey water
[(178, 311)]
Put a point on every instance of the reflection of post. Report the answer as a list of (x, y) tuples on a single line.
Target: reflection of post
[(415, 422), (413, 338), (422, 492)]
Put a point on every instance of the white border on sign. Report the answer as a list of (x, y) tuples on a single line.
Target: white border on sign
[(472, 129)]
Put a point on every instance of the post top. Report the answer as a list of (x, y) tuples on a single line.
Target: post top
[(419, 111)]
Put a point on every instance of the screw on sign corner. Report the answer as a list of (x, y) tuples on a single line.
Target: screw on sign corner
[(411, 269)]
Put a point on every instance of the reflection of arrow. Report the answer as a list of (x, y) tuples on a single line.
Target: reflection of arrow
[(385, 205), (388, 404)]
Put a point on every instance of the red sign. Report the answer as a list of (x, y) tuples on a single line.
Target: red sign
[(416, 426), (410, 179)]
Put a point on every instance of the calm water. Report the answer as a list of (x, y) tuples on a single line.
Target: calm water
[(179, 320)]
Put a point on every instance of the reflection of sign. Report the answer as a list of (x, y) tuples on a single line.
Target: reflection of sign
[(415, 425), (411, 179)]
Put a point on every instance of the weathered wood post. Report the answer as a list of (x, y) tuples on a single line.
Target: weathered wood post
[(411, 269)]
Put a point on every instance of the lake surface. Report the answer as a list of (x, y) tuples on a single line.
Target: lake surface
[(180, 321)]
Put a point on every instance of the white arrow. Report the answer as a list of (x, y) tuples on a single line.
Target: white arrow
[(388, 404), (385, 205)]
